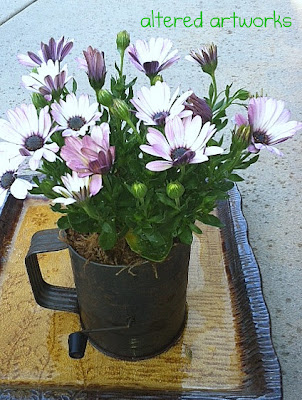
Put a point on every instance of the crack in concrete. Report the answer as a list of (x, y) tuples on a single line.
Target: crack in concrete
[(16, 12)]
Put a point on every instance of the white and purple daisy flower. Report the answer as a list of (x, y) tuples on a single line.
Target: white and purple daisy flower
[(55, 50), (27, 134), (154, 105), (270, 125), (153, 57), (48, 79), (75, 189), (91, 156), (94, 66), (75, 116), (206, 57), (184, 143), (9, 180)]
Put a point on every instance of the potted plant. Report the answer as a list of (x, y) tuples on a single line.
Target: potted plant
[(132, 174)]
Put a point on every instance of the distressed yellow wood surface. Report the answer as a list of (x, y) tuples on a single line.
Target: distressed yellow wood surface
[(33, 340)]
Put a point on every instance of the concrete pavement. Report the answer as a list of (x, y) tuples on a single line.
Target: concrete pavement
[(268, 58), (10, 8)]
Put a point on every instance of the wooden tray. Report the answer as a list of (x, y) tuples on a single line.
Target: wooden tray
[(225, 352)]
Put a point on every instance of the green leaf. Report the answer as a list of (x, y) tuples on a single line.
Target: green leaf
[(74, 86), (220, 114), (253, 160), (210, 219), (157, 219), (63, 223), (80, 221), (186, 236), (227, 91), (38, 101), (36, 190), (57, 138), (195, 229), (226, 185), (220, 142), (112, 84), (130, 84), (139, 243), (219, 194), (218, 105), (235, 178), (211, 91), (108, 237), (104, 117), (45, 187), (220, 125), (130, 94), (166, 200), (117, 68), (246, 164), (36, 180), (58, 208)]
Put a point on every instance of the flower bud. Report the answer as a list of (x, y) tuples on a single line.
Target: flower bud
[(139, 190), (199, 107), (105, 97), (243, 134), (122, 41), (175, 190), (206, 57), (120, 109), (96, 68), (243, 94)]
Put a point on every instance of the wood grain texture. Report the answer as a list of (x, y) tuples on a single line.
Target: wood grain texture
[(33, 347)]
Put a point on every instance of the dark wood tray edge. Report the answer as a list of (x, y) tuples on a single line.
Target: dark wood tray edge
[(9, 215), (259, 359)]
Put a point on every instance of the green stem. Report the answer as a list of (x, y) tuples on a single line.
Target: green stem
[(122, 63), (107, 182), (132, 126), (230, 102), (154, 79), (182, 173), (99, 104), (215, 90), (225, 170), (236, 158)]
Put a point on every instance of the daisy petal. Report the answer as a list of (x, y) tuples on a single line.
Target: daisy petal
[(158, 165), (20, 188)]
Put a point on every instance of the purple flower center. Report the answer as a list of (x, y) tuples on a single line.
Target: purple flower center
[(33, 143), (151, 68), (160, 117), (177, 153), (7, 179), (260, 137), (76, 123), (182, 155)]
